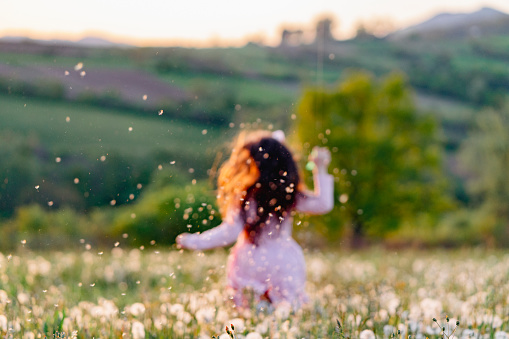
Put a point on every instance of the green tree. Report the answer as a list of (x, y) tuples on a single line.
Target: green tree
[(385, 156), (485, 157)]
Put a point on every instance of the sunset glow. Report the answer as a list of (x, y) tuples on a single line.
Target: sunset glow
[(205, 23)]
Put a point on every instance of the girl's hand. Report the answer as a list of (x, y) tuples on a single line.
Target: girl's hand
[(184, 240), (321, 157)]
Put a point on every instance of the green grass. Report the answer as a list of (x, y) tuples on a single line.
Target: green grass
[(247, 90), (89, 58), (154, 292), (96, 131)]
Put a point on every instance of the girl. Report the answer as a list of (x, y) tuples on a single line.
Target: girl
[(258, 191)]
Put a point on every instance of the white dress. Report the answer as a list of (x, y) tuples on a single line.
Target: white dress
[(275, 266)]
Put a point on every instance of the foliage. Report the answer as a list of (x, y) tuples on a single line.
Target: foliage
[(485, 155), (19, 170), (386, 157), (164, 213)]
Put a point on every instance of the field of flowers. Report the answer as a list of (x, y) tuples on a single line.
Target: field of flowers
[(146, 293)]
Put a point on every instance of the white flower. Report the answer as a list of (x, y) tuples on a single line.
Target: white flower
[(283, 310), (23, 298), (468, 333), (501, 335), (402, 329), (238, 323), (367, 334), (3, 297), (160, 322), (497, 322), (388, 330), (138, 330), (254, 335), (137, 309), (430, 307), (176, 309), (185, 317), (205, 315), (3, 322), (263, 326)]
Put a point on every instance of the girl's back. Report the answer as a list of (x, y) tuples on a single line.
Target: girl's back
[(259, 191)]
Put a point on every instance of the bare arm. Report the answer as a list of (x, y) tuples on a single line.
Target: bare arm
[(321, 201), (223, 235)]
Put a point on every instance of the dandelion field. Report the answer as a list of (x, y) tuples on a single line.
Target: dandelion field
[(146, 293)]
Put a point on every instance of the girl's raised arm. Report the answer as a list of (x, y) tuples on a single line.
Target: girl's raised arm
[(322, 200), (223, 235)]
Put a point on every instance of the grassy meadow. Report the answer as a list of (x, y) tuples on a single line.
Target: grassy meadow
[(96, 184), (80, 128), (153, 292)]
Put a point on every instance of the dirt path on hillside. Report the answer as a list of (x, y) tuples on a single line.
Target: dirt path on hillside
[(129, 85)]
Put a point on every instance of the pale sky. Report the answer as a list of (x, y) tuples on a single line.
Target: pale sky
[(219, 22)]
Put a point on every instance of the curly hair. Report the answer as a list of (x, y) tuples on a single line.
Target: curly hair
[(260, 169)]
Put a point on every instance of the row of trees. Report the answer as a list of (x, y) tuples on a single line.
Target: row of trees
[(388, 162), (389, 166)]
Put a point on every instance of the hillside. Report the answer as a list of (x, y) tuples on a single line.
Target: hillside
[(486, 21), (183, 104)]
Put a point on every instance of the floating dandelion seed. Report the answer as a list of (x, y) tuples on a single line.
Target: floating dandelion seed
[(160, 167), (50, 203), (113, 202), (92, 284), (343, 198), (23, 241), (67, 119), (58, 159), (204, 132), (172, 163), (231, 125), (139, 186), (83, 73), (37, 187), (130, 129), (160, 112), (66, 72), (145, 97), (131, 196), (76, 180), (103, 158), (78, 66)]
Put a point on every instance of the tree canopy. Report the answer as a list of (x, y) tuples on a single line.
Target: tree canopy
[(385, 155)]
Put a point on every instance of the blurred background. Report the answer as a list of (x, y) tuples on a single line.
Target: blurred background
[(115, 116)]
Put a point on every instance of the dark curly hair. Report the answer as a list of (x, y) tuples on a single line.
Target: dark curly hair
[(263, 170)]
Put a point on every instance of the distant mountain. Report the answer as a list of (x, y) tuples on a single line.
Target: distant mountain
[(456, 25), (98, 42), (85, 42)]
